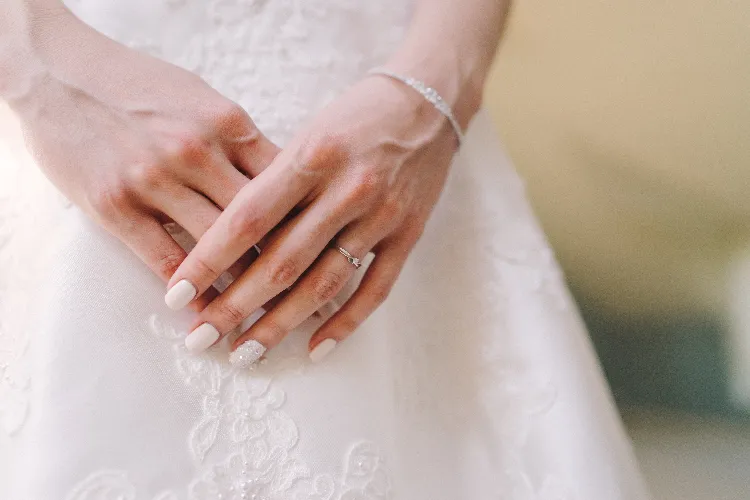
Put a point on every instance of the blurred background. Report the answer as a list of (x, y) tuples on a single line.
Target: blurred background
[(630, 122)]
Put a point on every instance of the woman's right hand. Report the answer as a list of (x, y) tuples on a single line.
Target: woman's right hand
[(135, 141)]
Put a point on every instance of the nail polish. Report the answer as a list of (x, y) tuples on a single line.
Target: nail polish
[(247, 354), (201, 338), (322, 350), (180, 295)]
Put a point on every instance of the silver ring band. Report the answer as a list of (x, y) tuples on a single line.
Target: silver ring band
[(351, 258)]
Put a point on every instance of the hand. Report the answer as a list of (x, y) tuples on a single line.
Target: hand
[(136, 142), (364, 175)]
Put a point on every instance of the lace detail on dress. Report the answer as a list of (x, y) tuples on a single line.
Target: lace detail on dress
[(281, 60), (248, 407), (263, 463), (109, 485), (233, 479), (14, 383), (238, 478), (244, 443)]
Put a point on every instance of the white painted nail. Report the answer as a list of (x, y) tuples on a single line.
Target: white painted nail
[(201, 338), (247, 354), (322, 350), (180, 295)]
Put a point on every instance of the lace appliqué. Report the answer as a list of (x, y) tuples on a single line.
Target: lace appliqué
[(263, 463), (239, 478), (248, 407), (234, 479), (281, 60), (109, 485), (14, 385)]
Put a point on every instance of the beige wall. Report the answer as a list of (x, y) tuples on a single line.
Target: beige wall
[(631, 123)]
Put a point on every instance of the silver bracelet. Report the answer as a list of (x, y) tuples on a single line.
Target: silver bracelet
[(428, 93)]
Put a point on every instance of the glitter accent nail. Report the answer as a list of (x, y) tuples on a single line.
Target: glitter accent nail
[(247, 354)]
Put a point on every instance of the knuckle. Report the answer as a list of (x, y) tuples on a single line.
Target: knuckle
[(347, 323), (230, 116), (319, 155), (274, 329), (148, 175), (189, 148), (110, 201), (365, 188), (283, 274), (204, 272), (167, 264), (326, 286), (248, 135), (245, 222), (231, 312), (380, 292), (413, 231), (393, 208)]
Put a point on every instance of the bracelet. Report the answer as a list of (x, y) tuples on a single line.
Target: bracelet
[(428, 93)]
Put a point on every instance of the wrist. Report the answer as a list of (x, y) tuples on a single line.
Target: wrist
[(458, 79), (27, 32)]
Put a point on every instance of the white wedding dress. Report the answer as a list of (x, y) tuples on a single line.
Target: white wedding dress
[(475, 381)]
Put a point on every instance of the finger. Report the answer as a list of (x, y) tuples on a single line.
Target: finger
[(258, 207), (251, 152), (194, 213), (275, 300), (220, 183), (189, 209), (243, 142), (316, 288), (148, 239), (376, 284), (295, 246), (253, 156)]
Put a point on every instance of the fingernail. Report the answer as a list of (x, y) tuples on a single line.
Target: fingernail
[(322, 350), (247, 354), (201, 338), (180, 295)]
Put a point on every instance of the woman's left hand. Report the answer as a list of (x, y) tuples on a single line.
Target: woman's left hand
[(364, 176)]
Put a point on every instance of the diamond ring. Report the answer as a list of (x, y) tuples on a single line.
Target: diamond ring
[(351, 258)]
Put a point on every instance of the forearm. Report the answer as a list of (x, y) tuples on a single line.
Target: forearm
[(26, 27), (451, 44)]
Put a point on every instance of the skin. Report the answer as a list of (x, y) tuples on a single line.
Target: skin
[(145, 142), (135, 146), (365, 174)]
